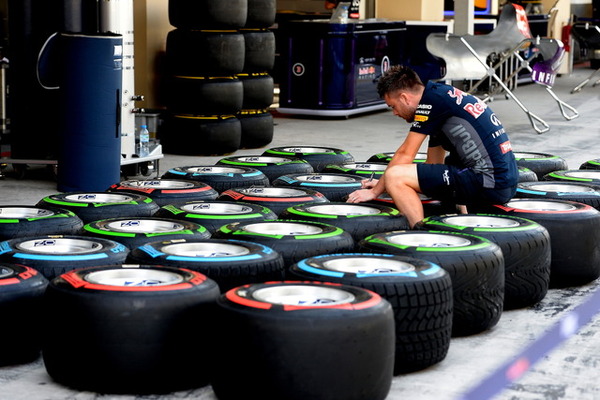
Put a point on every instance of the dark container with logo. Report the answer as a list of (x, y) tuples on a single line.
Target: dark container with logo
[(332, 66)]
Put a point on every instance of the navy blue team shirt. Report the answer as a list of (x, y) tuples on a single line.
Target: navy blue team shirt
[(470, 131)]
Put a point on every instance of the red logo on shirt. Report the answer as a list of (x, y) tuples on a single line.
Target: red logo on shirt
[(505, 147)]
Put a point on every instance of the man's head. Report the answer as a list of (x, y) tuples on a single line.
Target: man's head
[(401, 88)]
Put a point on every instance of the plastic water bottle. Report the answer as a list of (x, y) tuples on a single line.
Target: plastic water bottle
[(144, 141)]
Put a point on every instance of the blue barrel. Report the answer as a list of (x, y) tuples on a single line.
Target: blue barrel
[(90, 85)]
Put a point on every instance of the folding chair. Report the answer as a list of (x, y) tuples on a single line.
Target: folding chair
[(588, 36), (498, 52)]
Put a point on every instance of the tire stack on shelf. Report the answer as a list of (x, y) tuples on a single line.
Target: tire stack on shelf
[(210, 55)]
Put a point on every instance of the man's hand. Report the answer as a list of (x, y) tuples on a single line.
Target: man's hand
[(361, 196), (368, 183)]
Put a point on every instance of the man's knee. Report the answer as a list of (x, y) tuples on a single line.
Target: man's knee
[(403, 174)]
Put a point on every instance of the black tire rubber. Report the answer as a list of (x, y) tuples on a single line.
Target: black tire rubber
[(92, 206), (257, 128), (205, 53), (304, 351), (318, 157), (53, 255), (135, 232), (131, 322), (387, 156), (419, 291), (167, 191), (359, 220), (336, 187), (591, 164), (275, 199), (261, 13), (230, 263), (21, 291), (208, 14), (540, 163), (475, 265), (561, 190), (21, 221), (219, 177), (201, 134), (366, 170), (258, 89), (259, 48), (294, 240), (273, 167), (527, 175), (589, 176), (430, 206), (525, 246), (201, 95), (214, 214), (574, 262)]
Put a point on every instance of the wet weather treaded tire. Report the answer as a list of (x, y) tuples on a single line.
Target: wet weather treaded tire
[(525, 246), (475, 265), (540, 163), (129, 329), (419, 291), (230, 263), (53, 255), (21, 292), (303, 340), (561, 190)]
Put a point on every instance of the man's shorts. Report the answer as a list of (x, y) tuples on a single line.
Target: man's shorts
[(460, 186)]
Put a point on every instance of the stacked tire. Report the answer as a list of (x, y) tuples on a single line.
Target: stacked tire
[(215, 44)]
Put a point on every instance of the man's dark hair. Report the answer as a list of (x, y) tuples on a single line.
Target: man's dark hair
[(398, 77)]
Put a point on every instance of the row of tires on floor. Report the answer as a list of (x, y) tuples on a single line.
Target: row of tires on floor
[(363, 302)]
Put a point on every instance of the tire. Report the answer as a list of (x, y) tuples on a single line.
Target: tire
[(214, 214), (430, 206), (419, 291), (220, 178), (336, 187), (261, 13), (204, 95), (318, 157), (208, 14), (540, 163), (135, 232), (272, 167), (22, 221), (230, 263), (294, 240), (167, 191), (386, 157), (303, 340), (359, 220), (589, 176), (258, 90), (257, 128), (574, 262), (275, 199), (53, 255), (475, 265), (259, 48), (92, 206), (527, 175), (366, 170), (205, 53), (525, 245), (201, 134), (561, 190), (591, 164), (132, 322), (21, 292)]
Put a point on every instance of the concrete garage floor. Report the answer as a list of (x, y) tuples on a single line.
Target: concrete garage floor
[(569, 372)]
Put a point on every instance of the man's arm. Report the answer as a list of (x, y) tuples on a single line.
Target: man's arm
[(435, 155)]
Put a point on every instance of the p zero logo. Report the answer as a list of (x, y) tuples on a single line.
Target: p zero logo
[(298, 69), (505, 147)]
